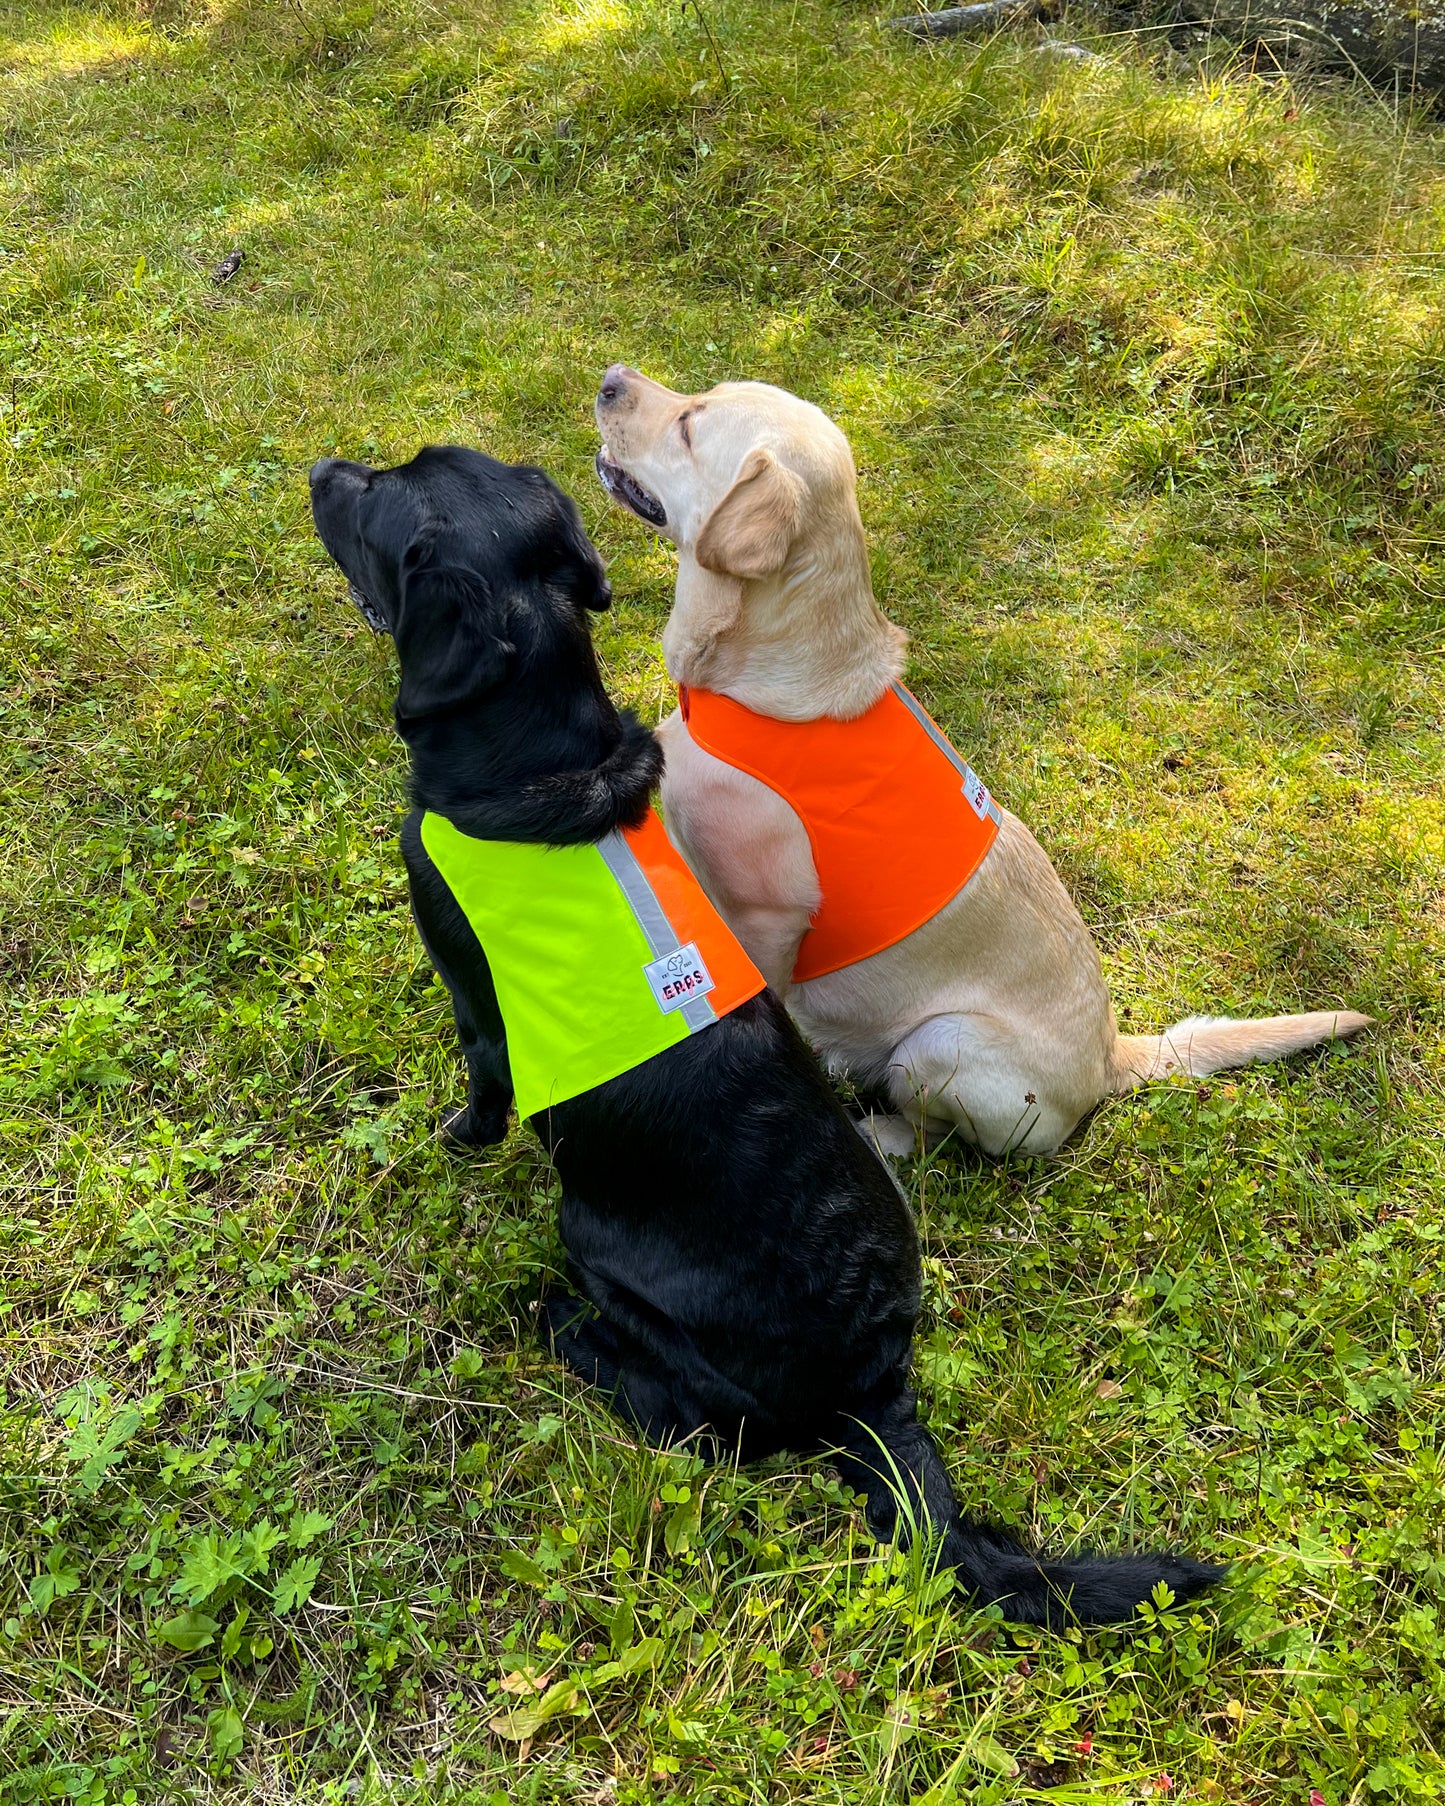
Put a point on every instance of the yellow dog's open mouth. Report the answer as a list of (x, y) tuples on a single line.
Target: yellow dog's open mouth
[(627, 490)]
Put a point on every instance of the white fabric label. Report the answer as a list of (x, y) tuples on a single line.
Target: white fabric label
[(976, 792), (678, 977)]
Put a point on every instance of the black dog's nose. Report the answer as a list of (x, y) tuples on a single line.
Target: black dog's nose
[(614, 381), (321, 469)]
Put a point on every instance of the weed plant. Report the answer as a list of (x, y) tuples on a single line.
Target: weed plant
[(1143, 365)]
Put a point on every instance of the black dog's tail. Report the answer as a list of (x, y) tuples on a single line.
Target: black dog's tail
[(889, 1455)]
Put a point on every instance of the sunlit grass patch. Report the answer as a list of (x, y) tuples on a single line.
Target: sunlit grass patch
[(73, 42)]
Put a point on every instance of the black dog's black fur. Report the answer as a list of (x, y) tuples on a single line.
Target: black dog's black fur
[(741, 1259)]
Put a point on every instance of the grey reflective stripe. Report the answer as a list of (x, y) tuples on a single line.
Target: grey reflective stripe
[(636, 886), (961, 766)]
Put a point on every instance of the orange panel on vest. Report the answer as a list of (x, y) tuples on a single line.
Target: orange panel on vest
[(693, 919), (897, 821)]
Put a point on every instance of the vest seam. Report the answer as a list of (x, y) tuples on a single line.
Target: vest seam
[(630, 877), (952, 754)]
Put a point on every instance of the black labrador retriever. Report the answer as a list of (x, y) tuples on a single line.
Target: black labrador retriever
[(743, 1263)]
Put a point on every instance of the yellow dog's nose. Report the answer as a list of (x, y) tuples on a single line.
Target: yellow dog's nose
[(614, 381)]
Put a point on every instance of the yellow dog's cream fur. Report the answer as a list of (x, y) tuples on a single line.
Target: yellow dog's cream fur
[(993, 1017)]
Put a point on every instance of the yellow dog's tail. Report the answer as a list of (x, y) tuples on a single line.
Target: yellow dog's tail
[(1203, 1044)]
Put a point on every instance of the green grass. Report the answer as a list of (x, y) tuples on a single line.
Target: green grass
[(1143, 363)]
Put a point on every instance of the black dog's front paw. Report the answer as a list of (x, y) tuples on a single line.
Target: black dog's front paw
[(468, 1127)]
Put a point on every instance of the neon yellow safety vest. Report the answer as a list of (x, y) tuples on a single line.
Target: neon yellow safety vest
[(602, 955)]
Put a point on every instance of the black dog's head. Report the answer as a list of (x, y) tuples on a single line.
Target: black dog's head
[(479, 570), (482, 574)]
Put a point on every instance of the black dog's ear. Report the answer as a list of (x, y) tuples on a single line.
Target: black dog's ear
[(449, 637)]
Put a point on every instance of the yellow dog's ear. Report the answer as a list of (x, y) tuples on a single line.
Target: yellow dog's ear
[(751, 530)]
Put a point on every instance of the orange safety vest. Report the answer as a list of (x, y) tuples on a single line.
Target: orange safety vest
[(897, 821)]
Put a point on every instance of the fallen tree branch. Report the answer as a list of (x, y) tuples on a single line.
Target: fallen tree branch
[(954, 21), (1392, 42)]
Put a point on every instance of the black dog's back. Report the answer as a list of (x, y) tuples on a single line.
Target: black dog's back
[(743, 1264), (723, 1183)]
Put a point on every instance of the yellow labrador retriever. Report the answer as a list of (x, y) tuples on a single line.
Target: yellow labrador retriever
[(991, 1018)]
